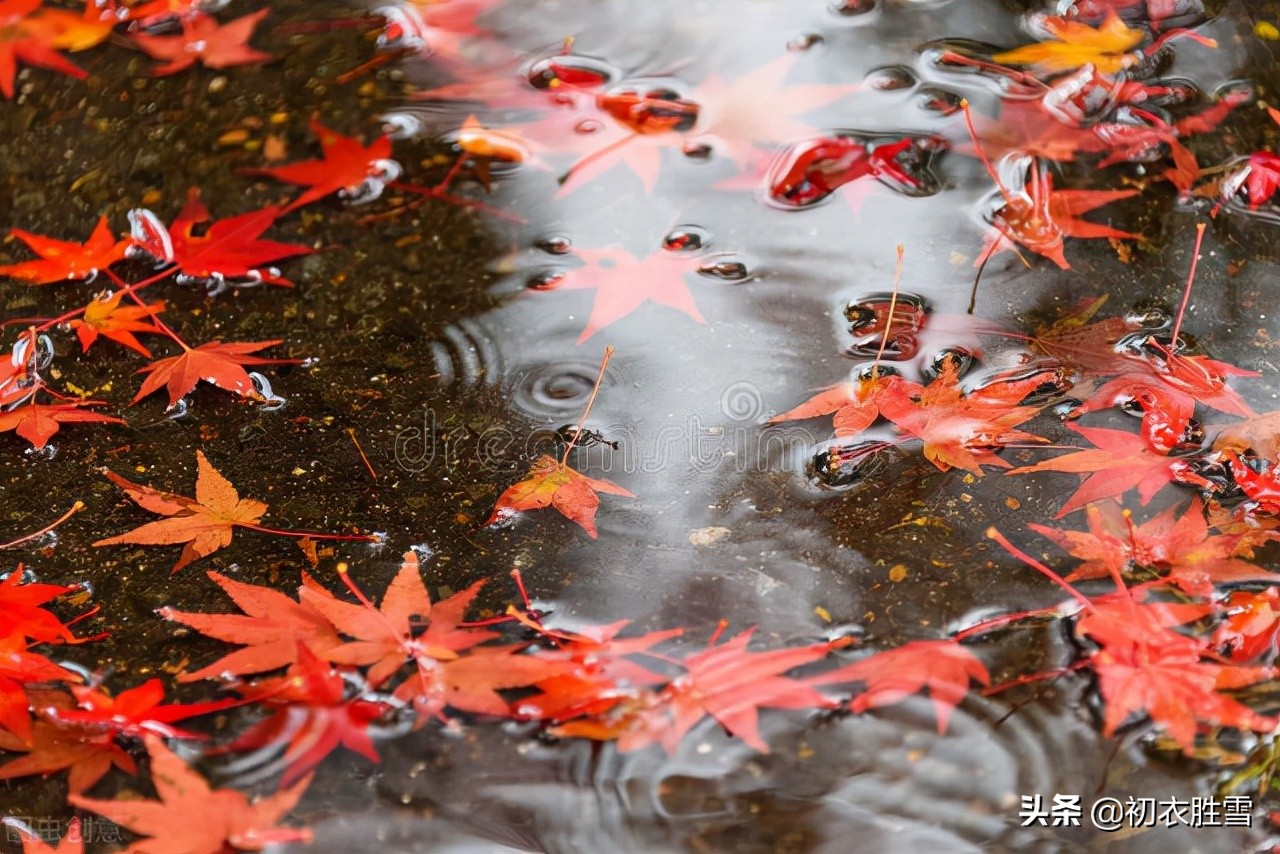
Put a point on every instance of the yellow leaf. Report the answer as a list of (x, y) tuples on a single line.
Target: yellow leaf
[(1107, 47)]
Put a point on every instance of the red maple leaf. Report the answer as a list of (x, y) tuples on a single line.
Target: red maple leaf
[(271, 628), (1040, 218), (347, 167), (64, 260), (87, 754), (106, 317), (19, 668), (195, 819), (964, 429), (726, 682), (601, 676), (38, 422), (23, 39), (22, 616), (944, 667), (391, 636), (1252, 625), (1160, 673), (203, 38), (1177, 544), (313, 711), (552, 483), (229, 251), (1120, 461), (203, 523), (449, 668), (856, 404), (216, 363), (134, 712), (623, 283)]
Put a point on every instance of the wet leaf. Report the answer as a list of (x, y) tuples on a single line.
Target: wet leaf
[(1107, 46), (204, 523), (227, 818), (944, 667), (106, 317), (63, 260), (727, 682), (345, 167), (38, 422), (23, 38), (213, 44), (271, 628), (553, 484), (222, 365)]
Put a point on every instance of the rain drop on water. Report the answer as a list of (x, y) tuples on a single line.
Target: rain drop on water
[(687, 238), (555, 244)]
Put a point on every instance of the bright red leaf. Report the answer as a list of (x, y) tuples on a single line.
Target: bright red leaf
[(228, 252), (21, 614), (19, 668), (222, 365), (313, 711), (1120, 461), (23, 39), (63, 260), (1176, 543), (106, 317), (347, 168), (134, 712)]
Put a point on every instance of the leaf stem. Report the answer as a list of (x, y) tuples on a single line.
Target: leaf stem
[(1186, 292), (75, 508), (595, 390), (1048, 573)]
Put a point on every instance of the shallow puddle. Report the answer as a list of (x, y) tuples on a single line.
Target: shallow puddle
[(716, 190)]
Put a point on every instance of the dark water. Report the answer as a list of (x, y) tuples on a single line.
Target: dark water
[(451, 370)]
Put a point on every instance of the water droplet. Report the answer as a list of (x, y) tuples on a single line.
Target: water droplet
[(845, 465), (939, 101), (729, 271), (697, 150), (687, 238), (401, 125), (849, 8), (570, 70), (588, 126), (271, 400), (804, 41), (962, 358), (544, 280), (178, 410), (890, 78), (556, 244)]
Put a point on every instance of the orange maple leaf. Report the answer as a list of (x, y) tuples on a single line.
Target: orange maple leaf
[(203, 523), (552, 483), (1108, 47), (63, 260), (22, 37), (37, 422), (215, 45), (104, 316), (227, 819)]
